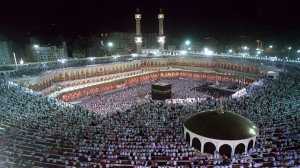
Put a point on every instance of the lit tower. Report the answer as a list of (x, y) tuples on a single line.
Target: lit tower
[(161, 37), (138, 36)]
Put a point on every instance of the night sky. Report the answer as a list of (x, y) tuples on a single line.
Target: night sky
[(182, 18)]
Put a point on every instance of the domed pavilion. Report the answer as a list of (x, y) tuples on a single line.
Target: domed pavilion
[(224, 131)]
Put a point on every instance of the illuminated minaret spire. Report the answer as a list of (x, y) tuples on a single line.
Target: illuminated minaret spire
[(138, 36), (161, 37)]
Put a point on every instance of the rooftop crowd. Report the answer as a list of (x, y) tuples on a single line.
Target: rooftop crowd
[(139, 132)]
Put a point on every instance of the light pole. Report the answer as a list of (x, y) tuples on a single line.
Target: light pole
[(258, 52), (45, 68), (134, 56), (289, 51), (245, 50), (110, 44), (36, 52), (15, 60), (230, 51), (91, 60), (270, 49), (63, 61), (21, 61), (116, 57), (187, 43)]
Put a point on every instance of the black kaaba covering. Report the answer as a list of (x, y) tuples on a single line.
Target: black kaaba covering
[(161, 91)]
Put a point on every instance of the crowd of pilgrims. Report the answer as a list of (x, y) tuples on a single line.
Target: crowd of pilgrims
[(45, 132), (123, 99)]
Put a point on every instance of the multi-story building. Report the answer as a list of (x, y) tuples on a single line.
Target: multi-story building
[(171, 48), (36, 51), (150, 41), (94, 46), (121, 41), (197, 47), (48, 53), (79, 54), (182, 47), (6, 52)]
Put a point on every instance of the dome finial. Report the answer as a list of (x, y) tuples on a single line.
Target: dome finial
[(220, 111)]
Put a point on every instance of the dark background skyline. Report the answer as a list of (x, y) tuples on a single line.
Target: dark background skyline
[(189, 18)]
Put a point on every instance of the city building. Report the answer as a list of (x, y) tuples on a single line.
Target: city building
[(79, 54), (6, 52), (171, 48), (197, 47), (49, 53), (150, 40), (95, 44), (241, 44), (121, 42), (182, 47)]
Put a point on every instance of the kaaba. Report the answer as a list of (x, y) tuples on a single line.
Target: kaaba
[(161, 91)]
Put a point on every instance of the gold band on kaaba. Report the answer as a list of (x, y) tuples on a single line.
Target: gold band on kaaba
[(161, 92)]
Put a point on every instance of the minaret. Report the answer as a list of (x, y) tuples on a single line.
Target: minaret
[(161, 37), (138, 36)]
